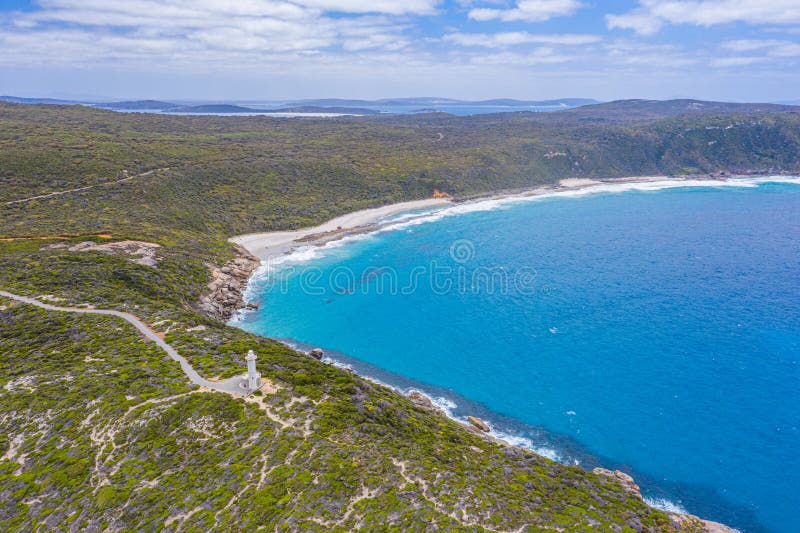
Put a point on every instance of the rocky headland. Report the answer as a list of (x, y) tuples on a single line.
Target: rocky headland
[(227, 286), (693, 522)]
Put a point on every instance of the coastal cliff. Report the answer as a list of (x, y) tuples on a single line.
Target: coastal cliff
[(228, 283), (681, 520)]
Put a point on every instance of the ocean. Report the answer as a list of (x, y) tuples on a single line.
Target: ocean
[(649, 328)]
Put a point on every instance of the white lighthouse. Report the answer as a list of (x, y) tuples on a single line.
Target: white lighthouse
[(253, 376)]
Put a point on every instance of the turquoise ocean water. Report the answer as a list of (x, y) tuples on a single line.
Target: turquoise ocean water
[(647, 328)]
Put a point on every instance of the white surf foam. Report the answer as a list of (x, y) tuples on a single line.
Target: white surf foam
[(338, 364), (448, 406), (300, 255), (665, 505), (601, 188), (445, 404)]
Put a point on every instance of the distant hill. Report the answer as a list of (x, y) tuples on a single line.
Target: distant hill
[(577, 109), (638, 110), (212, 108), (427, 102), (138, 105), (19, 100), (325, 109), (324, 105), (341, 102), (510, 102)]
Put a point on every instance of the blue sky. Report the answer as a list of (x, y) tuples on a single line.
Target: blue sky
[(277, 49)]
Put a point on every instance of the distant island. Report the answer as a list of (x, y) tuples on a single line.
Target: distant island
[(138, 105), (325, 109), (449, 102), (326, 106), (210, 108), (168, 107), (342, 106)]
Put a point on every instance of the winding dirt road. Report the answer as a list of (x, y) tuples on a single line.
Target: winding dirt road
[(59, 193), (229, 386)]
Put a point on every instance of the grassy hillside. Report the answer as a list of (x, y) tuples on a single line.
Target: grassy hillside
[(99, 430)]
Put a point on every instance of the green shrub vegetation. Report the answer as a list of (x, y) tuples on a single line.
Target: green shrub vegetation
[(99, 430)]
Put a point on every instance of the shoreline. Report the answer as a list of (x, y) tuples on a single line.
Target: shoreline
[(270, 245), (275, 243)]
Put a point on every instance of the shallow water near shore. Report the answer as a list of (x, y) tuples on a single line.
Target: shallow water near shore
[(652, 330)]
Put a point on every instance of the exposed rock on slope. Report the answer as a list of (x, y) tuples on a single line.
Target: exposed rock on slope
[(227, 286), (625, 480), (686, 521), (478, 423), (140, 252), (423, 402)]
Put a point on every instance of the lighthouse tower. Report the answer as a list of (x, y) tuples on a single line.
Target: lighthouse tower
[(253, 376)]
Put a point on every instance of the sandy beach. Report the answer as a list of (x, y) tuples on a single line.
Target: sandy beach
[(271, 244), (276, 243)]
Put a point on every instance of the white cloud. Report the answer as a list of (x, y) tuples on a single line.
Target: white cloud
[(508, 39), (539, 56), (652, 15), (770, 50), (528, 10), (199, 32), (748, 45), (638, 20), (250, 8), (739, 61), (787, 49), (378, 47), (389, 7), (634, 53)]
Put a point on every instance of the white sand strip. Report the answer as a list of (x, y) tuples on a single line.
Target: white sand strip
[(265, 245)]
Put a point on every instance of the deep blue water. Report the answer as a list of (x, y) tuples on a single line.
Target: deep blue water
[(653, 331)]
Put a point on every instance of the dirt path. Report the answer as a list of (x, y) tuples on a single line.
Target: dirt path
[(56, 237), (229, 386), (78, 189)]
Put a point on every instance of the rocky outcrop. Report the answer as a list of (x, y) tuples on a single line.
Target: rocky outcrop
[(225, 291), (691, 522), (423, 402), (316, 353), (478, 423), (625, 480), (716, 527), (139, 252), (684, 522)]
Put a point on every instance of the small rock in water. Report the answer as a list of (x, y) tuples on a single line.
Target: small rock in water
[(478, 423), (316, 353)]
